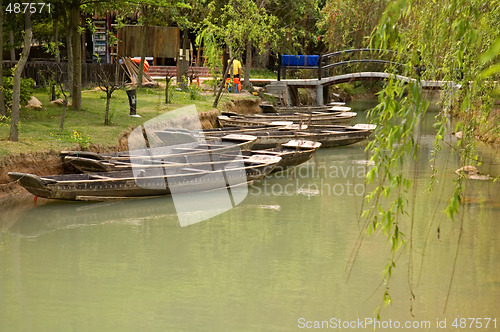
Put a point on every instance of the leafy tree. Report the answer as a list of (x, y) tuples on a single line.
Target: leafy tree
[(3, 110), (71, 18), (76, 87), (27, 90), (454, 40), (296, 30), (236, 25), (212, 51), (16, 89), (349, 23), (145, 24)]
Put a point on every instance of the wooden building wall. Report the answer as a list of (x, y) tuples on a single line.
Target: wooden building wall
[(162, 42)]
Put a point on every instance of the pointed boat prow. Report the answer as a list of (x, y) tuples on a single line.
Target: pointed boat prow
[(32, 183)]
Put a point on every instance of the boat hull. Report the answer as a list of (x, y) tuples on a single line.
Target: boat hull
[(328, 138), (149, 182), (316, 119)]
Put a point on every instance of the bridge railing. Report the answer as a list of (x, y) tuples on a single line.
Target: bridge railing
[(346, 59), (308, 62), (349, 60)]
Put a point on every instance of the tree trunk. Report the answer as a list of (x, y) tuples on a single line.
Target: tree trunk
[(167, 86), (12, 47), (248, 66), (144, 45), (77, 56), (83, 38), (57, 55), (106, 114), (16, 89), (231, 70), (216, 101), (3, 110), (183, 61), (69, 51), (63, 114), (265, 56), (53, 89)]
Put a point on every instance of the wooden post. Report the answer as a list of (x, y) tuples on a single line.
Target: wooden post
[(320, 67), (279, 67)]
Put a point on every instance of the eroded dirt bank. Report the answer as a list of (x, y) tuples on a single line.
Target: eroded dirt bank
[(49, 162), (40, 163)]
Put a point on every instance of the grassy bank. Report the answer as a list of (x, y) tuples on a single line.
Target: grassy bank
[(39, 130)]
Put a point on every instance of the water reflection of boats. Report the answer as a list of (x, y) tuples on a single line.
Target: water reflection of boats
[(67, 215), (60, 215)]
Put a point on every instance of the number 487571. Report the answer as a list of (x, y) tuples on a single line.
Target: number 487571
[(474, 323), (23, 7)]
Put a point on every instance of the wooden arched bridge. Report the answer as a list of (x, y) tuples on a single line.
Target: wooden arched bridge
[(322, 65)]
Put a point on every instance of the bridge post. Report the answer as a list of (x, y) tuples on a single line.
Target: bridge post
[(292, 96), (319, 95), (279, 67)]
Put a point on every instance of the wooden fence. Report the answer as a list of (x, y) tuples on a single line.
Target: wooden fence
[(42, 71)]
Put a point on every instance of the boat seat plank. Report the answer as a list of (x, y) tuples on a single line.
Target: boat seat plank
[(268, 152), (333, 132), (194, 170), (100, 177)]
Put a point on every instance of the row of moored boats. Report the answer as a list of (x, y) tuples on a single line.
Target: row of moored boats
[(201, 160)]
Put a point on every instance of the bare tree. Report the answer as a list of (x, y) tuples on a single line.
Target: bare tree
[(108, 83)]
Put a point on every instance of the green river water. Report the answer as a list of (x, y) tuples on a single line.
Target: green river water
[(276, 262)]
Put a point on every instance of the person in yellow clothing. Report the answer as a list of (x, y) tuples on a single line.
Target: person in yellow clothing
[(236, 68), (236, 76)]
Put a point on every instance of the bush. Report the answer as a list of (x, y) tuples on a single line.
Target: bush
[(27, 90)]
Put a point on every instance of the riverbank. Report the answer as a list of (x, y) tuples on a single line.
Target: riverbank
[(39, 129), (40, 139)]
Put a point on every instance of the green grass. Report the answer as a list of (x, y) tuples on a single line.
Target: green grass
[(39, 130), (262, 73)]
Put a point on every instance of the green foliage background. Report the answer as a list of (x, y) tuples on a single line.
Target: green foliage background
[(27, 89)]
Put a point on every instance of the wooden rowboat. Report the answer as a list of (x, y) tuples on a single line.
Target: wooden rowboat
[(320, 118), (267, 108), (327, 138), (292, 154), (325, 109), (272, 137), (148, 181), (225, 142)]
